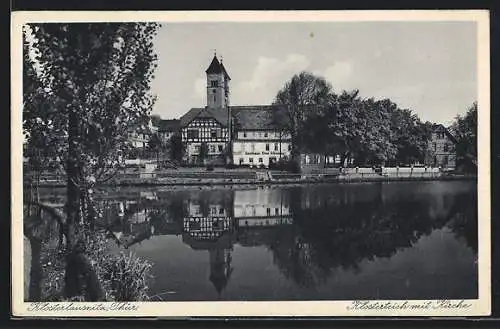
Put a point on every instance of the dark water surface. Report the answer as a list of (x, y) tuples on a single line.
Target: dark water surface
[(399, 240)]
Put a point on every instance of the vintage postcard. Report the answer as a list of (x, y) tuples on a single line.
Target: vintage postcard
[(270, 163)]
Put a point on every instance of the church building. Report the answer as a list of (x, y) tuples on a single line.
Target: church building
[(206, 131), (223, 134)]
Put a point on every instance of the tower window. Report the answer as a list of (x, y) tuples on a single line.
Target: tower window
[(214, 98), (214, 83)]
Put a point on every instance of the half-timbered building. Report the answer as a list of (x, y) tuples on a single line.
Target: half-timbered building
[(441, 149), (206, 132)]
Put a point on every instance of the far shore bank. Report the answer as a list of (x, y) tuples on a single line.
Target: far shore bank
[(168, 181)]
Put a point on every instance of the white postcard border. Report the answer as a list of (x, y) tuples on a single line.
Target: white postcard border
[(480, 306)]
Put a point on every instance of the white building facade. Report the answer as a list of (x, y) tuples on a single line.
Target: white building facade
[(261, 208), (258, 140)]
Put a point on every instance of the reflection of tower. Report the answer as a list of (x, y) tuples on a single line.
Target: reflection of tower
[(211, 229), (220, 268)]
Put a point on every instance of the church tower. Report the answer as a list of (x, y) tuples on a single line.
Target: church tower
[(217, 85)]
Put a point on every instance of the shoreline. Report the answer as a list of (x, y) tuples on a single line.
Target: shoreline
[(277, 182)]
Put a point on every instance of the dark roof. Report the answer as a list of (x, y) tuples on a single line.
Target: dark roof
[(216, 67), (225, 72), (169, 125), (258, 117), (219, 114), (440, 127)]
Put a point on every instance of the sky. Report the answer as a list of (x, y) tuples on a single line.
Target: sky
[(428, 67)]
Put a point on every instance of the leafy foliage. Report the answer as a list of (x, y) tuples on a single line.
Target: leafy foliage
[(366, 131), (464, 130), (101, 74), (302, 94), (95, 79), (176, 147)]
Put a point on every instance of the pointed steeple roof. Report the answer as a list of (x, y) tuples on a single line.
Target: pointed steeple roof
[(216, 67), (224, 70)]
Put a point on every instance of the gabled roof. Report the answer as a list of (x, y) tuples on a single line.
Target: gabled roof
[(258, 117), (218, 114), (216, 67), (441, 128), (169, 125)]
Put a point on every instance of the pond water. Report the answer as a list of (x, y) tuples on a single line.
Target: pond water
[(398, 240)]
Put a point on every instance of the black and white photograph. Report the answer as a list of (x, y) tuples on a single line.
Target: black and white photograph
[(251, 164)]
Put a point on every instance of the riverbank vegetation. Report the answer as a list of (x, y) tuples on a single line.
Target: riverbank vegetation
[(364, 131), (85, 87)]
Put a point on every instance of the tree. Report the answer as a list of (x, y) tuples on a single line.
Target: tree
[(300, 94), (376, 146), (347, 125), (464, 130), (155, 120), (410, 137), (155, 145), (176, 147), (96, 79)]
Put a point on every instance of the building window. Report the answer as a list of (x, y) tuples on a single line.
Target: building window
[(445, 148), (252, 147), (445, 160), (221, 211), (267, 147), (220, 148), (276, 146), (213, 133), (289, 147), (250, 160), (276, 211), (197, 148), (245, 134), (214, 83), (260, 160), (265, 134), (212, 148), (268, 211), (434, 145), (241, 161), (192, 133), (214, 98)]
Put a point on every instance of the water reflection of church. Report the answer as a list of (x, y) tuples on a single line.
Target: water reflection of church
[(216, 226)]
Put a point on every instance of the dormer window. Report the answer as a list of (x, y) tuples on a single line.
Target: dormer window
[(214, 83)]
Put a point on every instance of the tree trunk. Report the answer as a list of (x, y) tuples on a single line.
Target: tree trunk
[(72, 200), (35, 286)]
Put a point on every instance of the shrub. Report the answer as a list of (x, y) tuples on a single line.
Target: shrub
[(285, 165), (127, 276)]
